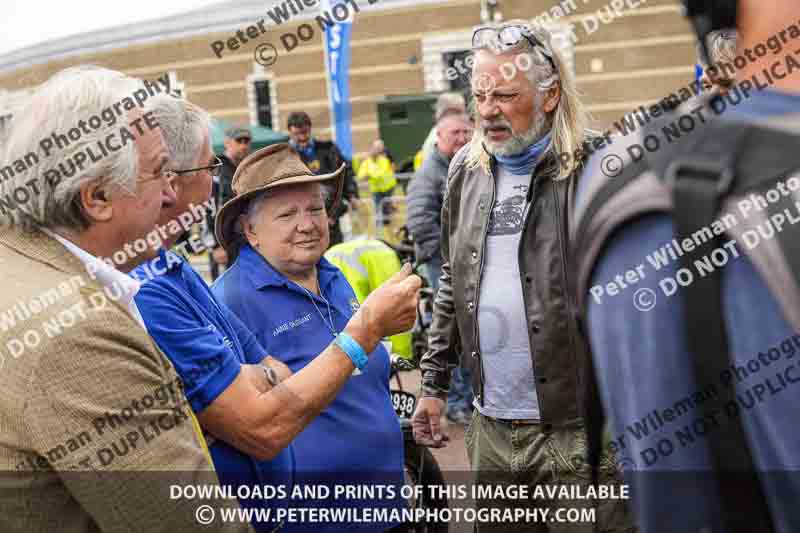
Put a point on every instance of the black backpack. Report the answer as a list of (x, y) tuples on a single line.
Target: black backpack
[(690, 177)]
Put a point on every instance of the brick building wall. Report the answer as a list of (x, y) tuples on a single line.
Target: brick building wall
[(635, 59)]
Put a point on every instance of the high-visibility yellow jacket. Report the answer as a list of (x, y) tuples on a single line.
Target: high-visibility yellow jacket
[(366, 264), (379, 173), (418, 160)]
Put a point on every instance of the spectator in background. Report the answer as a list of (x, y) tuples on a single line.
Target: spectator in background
[(447, 103), (425, 197), (379, 171), (237, 147), (323, 157), (426, 193)]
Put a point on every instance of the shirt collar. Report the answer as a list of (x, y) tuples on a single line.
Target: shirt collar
[(168, 260), (309, 149), (262, 274), (106, 275)]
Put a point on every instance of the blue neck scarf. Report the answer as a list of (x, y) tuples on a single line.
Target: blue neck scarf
[(523, 164)]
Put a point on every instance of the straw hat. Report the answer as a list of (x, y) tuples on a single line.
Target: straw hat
[(270, 167)]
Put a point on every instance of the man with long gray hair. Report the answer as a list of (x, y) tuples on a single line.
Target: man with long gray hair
[(95, 423), (720, 70), (504, 291)]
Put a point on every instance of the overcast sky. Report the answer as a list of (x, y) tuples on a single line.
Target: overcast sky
[(28, 22)]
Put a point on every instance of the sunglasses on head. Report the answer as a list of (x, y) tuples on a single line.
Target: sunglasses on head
[(506, 38)]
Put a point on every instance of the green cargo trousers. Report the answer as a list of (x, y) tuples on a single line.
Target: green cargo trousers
[(504, 454)]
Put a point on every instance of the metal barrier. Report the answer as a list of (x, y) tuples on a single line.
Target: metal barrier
[(364, 222)]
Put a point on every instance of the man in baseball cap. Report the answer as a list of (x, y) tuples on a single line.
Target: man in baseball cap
[(237, 147)]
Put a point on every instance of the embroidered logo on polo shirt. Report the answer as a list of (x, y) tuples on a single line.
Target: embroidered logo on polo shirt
[(286, 326), (225, 340)]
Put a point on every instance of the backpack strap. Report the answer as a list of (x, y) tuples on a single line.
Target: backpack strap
[(695, 174), (700, 172)]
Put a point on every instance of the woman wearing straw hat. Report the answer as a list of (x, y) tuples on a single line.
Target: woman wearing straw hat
[(295, 302)]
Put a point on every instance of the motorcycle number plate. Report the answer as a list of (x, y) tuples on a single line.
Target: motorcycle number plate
[(403, 403)]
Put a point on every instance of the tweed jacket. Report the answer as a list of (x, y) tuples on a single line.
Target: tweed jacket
[(94, 427)]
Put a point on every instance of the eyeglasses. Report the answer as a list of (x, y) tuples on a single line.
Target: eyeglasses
[(243, 140), (213, 169), (505, 38)]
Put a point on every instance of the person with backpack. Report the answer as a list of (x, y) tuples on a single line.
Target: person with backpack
[(687, 282)]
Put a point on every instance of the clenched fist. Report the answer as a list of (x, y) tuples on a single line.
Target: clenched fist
[(388, 310)]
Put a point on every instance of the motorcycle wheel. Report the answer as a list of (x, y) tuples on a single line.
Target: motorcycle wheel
[(421, 467)]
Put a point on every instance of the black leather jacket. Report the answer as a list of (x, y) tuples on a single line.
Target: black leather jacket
[(221, 192), (558, 348)]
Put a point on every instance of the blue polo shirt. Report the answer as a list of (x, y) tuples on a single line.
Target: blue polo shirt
[(645, 370), (357, 438), (207, 344)]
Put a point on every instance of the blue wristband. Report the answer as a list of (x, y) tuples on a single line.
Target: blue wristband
[(353, 350)]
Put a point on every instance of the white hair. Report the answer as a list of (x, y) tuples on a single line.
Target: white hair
[(254, 205), (567, 122), (252, 211), (722, 53), (70, 97), (185, 126), (721, 47), (448, 103)]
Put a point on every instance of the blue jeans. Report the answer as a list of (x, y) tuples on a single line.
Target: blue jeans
[(459, 397), (382, 209)]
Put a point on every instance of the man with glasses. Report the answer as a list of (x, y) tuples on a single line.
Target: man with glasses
[(237, 147), (503, 298), (250, 404), (195, 246), (425, 196), (82, 385)]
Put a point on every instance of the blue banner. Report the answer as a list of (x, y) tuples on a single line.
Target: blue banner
[(337, 59)]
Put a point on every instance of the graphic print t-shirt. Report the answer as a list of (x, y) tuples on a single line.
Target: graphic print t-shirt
[(509, 387)]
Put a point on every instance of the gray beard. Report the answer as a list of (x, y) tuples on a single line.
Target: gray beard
[(518, 143)]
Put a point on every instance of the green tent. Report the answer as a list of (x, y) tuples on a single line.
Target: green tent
[(261, 136)]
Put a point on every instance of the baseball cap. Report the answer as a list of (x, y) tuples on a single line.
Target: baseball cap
[(237, 132)]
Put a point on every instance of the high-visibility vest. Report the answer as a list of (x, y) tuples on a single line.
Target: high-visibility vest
[(366, 264), (418, 160), (379, 173)]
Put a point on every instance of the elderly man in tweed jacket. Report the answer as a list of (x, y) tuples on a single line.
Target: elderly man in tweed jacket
[(94, 427)]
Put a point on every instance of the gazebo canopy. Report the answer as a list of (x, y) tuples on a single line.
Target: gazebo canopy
[(261, 136)]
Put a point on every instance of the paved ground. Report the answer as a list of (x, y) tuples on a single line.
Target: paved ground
[(452, 459)]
